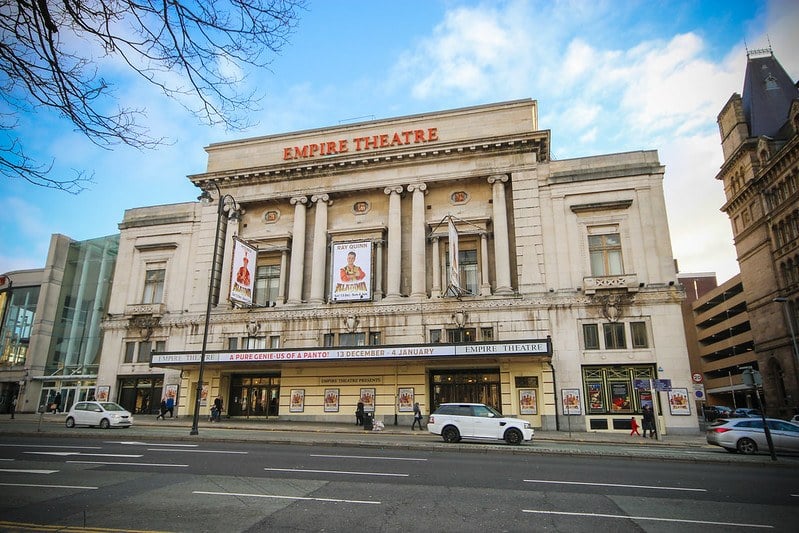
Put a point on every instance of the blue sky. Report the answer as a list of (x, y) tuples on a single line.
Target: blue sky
[(609, 76)]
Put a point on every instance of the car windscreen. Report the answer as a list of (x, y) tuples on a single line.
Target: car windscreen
[(111, 406)]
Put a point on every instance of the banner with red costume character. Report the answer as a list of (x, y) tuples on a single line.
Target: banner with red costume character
[(352, 271), (243, 275)]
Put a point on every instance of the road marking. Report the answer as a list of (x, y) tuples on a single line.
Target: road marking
[(367, 457), (194, 451), (127, 464), (333, 472), (278, 497), (626, 517), (47, 486), (612, 485), (27, 471), (6, 459), (24, 526), (65, 454), (50, 446), (136, 443)]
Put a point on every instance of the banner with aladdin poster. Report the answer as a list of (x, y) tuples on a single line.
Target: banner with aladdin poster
[(352, 271), (243, 275)]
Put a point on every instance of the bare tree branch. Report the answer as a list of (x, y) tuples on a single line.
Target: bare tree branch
[(195, 52)]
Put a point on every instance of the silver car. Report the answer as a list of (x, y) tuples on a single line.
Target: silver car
[(102, 414), (746, 435)]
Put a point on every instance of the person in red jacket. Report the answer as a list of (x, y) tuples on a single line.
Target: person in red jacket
[(634, 427)]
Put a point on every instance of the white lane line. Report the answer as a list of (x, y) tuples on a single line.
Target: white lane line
[(127, 464), (6, 459), (27, 471), (652, 487), (367, 457), (194, 451), (78, 487), (82, 454), (50, 446), (652, 518), (136, 443), (333, 472), (278, 497)]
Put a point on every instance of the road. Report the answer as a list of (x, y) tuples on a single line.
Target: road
[(111, 483)]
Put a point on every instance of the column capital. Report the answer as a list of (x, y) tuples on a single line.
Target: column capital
[(397, 189), (321, 198), (502, 178), (417, 187), (299, 200)]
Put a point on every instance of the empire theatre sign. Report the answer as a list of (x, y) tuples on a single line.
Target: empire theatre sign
[(497, 349), (361, 144)]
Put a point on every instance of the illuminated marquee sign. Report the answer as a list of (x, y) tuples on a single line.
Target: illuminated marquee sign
[(374, 352), (361, 144)]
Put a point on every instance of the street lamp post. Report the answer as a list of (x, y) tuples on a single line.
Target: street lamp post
[(233, 213), (784, 302)]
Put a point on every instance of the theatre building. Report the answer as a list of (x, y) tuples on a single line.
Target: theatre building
[(428, 258)]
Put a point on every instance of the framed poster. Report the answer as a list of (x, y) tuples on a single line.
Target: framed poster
[(297, 401), (405, 400), (102, 393), (595, 402), (368, 400), (678, 402), (331, 400), (620, 399), (204, 395), (527, 402), (352, 271), (571, 401)]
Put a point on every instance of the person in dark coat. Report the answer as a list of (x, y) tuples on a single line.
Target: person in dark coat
[(417, 416), (649, 422), (359, 414)]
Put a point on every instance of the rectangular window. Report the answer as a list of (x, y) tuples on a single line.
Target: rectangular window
[(435, 336), (351, 339), (233, 343), (591, 336), (638, 335), (468, 270), (274, 341), (130, 349), (614, 336), (145, 354), (253, 343), (486, 334), (605, 252), (461, 335), (154, 286), (327, 340), (374, 338), (267, 283)]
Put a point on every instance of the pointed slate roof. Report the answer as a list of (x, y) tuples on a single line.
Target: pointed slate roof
[(767, 94)]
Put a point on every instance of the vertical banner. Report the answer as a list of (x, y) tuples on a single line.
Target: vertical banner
[(570, 399), (243, 274), (454, 267), (352, 271)]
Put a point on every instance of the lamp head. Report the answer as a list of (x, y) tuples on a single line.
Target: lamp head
[(205, 197)]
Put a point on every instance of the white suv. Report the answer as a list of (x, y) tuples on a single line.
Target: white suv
[(456, 421)]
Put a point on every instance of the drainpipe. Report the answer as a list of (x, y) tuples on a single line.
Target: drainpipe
[(555, 386)]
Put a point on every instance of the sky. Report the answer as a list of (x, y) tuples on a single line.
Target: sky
[(609, 76)]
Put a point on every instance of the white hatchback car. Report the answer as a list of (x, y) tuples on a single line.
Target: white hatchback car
[(456, 421), (102, 414)]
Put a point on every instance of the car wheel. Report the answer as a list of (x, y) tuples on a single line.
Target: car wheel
[(105, 424), (513, 436), (450, 434), (747, 446), (70, 422)]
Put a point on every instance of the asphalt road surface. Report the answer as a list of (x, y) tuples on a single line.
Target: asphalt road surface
[(108, 483)]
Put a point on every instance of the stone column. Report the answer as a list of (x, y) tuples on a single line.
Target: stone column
[(281, 289), (418, 244), (436, 290), (485, 284), (318, 260), (394, 241), (297, 250), (501, 245), (378, 273)]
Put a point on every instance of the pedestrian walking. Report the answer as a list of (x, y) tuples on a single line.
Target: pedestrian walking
[(56, 405), (170, 406), (649, 422), (13, 406), (161, 410), (417, 416), (634, 427), (359, 414), (216, 411)]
